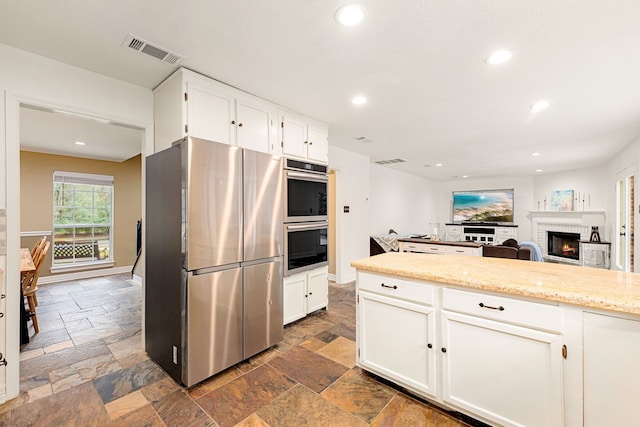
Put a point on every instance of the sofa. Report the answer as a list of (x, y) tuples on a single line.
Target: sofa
[(508, 249)]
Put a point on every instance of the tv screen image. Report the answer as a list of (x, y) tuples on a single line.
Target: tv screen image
[(483, 206)]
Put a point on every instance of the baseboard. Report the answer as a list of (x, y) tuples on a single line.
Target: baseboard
[(137, 279), (331, 277), (84, 275)]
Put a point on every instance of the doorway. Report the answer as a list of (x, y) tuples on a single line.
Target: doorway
[(14, 105), (624, 232)]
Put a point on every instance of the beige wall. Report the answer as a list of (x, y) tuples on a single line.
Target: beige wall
[(36, 198)]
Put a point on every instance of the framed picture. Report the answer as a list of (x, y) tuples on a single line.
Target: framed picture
[(561, 200)]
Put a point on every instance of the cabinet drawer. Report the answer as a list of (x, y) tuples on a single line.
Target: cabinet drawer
[(526, 313), (400, 288), (459, 250)]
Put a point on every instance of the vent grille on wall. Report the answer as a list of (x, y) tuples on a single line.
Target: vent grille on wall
[(139, 45), (390, 161)]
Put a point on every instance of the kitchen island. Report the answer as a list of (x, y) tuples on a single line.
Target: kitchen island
[(508, 342)]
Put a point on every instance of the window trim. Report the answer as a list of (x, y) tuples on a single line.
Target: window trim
[(84, 179)]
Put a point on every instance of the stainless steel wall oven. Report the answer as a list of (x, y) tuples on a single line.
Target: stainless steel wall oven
[(305, 246), (305, 191)]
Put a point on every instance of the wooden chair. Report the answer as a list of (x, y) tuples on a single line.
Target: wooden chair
[(37, 248), (30, 285)]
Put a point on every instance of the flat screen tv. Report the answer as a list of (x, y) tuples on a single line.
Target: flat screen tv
[(483, 206)]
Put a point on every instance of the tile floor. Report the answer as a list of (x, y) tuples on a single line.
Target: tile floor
[(86, 367)]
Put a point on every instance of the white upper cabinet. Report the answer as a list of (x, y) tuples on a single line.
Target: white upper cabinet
[(188, 103), (210, 111), (303, 138)]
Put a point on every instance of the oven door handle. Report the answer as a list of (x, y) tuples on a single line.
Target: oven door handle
[(308, 176), (314, 226)]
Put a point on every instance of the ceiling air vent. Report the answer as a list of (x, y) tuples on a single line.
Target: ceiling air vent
[(390, 161), (139, 45)]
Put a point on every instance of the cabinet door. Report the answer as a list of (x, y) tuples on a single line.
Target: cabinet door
[(317, 290), (293, 297), (210, 111), (507, 374), (396, 341), (294, 136), (254, 124), (318, 144), (453, 233), (611, 365)]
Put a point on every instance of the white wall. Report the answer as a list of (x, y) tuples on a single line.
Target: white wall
[(33, 79), (523, 198), (590, 183), (352, 229), (406, 203)]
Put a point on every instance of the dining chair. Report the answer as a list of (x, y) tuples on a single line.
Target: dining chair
[(30, 285), (37, 248)]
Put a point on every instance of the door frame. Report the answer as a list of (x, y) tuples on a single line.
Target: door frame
[(13, 102), (628, 222)]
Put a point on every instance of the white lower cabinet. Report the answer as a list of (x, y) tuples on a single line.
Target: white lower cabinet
[(611, 370), (397, 341), (495, 358), (503, 373), (304, 293)]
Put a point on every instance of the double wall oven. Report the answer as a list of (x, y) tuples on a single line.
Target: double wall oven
[(306, 223)]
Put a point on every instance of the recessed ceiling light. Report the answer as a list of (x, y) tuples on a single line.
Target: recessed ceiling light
[(535, 154), (465, 176), (539, 106), (499, 57), (359, 100), (80, 143), (350, 15), (438, 165), (538, 170)]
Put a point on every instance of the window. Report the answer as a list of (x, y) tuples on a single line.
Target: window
[(82, 218)]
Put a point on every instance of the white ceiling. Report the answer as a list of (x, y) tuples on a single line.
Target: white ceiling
[(420, 63)]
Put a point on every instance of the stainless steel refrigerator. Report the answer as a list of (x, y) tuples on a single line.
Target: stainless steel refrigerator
[(213, 266)]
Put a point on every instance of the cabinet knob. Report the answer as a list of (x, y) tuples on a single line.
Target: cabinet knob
[(310, 142), (306, 142), (233, 122), (444, 350), (310, 293), (239, 125), (429, 345)]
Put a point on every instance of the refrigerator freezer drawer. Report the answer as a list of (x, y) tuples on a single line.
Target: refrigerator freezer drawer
[(214, 324), (262, 306)]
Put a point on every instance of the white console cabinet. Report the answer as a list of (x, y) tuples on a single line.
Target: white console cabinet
[(304, 293), (480, 233)]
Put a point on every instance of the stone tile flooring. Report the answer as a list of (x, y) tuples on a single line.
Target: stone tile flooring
[(86, 367)]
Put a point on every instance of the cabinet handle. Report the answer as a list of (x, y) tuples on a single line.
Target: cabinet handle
[(310, 293), (444, 350), (310, 143), (387, 286), (233, 122), (306, 142), (501, 308), (239, 125), (429, 345)]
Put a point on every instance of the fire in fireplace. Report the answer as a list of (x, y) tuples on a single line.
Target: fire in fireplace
[(565, 245)]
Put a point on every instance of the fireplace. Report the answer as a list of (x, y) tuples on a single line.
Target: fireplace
[(564, 245)]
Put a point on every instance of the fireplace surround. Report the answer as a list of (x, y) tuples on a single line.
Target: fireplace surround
[(575, 222)]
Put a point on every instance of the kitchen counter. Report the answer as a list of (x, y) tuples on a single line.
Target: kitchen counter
[(582, 286)]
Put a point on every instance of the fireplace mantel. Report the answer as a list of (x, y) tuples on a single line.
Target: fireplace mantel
[(592, 217)]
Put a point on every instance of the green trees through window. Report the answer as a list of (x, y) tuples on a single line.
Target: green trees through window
[(82, 218)]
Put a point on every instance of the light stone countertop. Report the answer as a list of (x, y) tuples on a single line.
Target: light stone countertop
[(583, 286)]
